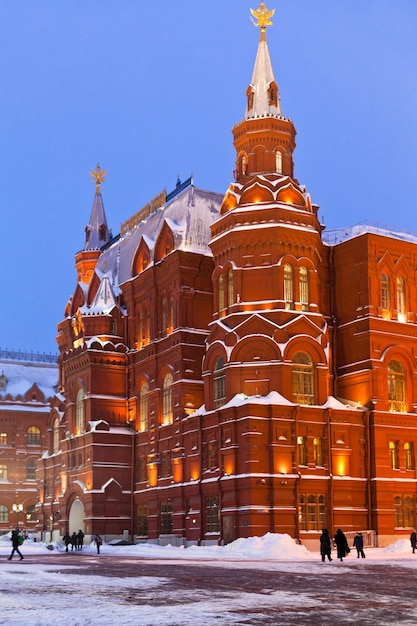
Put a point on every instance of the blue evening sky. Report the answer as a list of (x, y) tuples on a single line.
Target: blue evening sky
[(152, 89)]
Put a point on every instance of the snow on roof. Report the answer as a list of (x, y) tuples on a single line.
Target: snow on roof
[(333, 237), (21, 375)]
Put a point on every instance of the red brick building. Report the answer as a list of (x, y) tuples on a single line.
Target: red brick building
[(229, 369)]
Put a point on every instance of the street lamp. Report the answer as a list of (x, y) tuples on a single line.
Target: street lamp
[(17, 508)]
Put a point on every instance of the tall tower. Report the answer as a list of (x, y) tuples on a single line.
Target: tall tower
[(270, 263)]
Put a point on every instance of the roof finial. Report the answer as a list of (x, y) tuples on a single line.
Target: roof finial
[(263, 17), (98, 176)]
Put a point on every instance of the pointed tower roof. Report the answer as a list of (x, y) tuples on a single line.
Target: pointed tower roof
[(97, 232), (263, 96), (105, 299)]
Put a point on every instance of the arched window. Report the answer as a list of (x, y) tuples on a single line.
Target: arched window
[(385, 301), (221, 293), (31, 515), (167, 415), (230, 293), (409, 455), (288, 286), (219, 383), (400, 299), (55, 436), (3, 472), (79, 412), (31, 470), (302, 379), (33, 436), (4, 513), (278, 162), (144, 408), (396, 387), (393, 454), (302, 450), (304, 295)]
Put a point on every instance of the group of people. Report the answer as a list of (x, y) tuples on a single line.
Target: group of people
[(341, 543), (76, 541)]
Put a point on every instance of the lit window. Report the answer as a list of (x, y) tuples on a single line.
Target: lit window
[(164, 315), (385, 300), (144, 408), (404, 511), (142, 528), (167, 416), (79, 412), (318, 451), (396, 387), (288, 286), (394, 456), (4, 513), (302, 450), (31, 470), (219, 383), (31, 515), (33, 436), (221, 294), (311, 511), (171, 313), (230, 294), (409, 455), (212, 514), (302, 379), (304, 295), (278, 162), (401, 299), (55, 436), (3, 439), (3, 472)]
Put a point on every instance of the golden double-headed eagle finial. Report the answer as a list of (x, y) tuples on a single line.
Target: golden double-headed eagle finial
[(262, 16), (98, 176)]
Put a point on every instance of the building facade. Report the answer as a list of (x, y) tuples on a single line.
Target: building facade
[(229, 369), (28, 383)]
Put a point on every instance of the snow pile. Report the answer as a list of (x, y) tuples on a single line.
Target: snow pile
[(270, 546), (402, 545)]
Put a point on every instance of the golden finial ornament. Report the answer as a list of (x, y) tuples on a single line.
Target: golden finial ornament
[(98, 176), (262, 16)]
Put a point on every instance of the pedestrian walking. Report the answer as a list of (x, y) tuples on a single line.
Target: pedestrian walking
[(98, 541), (80, 537), (325, 545), (74, 541), (341, 544), (17, 541), (67, 541), (413, 540), (358, 544)]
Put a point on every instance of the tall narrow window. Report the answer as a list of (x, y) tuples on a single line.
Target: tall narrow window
[(4, 513), (55, 436), (394, 456), (219, 383), (401, 299), (3, 471), (31, 470), (302, 379), (302, 450), (79, 412), (142, 527), (166, 518), (404, 512), (167, 415), (278, 162), (33, 436), (164, 316), (140, 330), (146, 328), (311, 511), (385, 302), (212, 514), (396, 387), (144, 408), (288, 286), (171, 322), (3, 439), (318, 451), (304, 295), (221, 294), (230, 294), (409, 455)]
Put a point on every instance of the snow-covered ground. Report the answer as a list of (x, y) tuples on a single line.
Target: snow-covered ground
[(43, 591)]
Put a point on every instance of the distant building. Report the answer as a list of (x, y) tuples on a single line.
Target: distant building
[(27, 384), (228, 369)]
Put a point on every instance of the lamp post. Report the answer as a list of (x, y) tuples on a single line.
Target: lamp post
[(17, 508)]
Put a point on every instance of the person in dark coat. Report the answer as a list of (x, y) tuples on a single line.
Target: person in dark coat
[(74, 541), (16, 541), (80, 538), (325, 545), (67, 541), (341, 544), (413, 540), (358, 544)]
